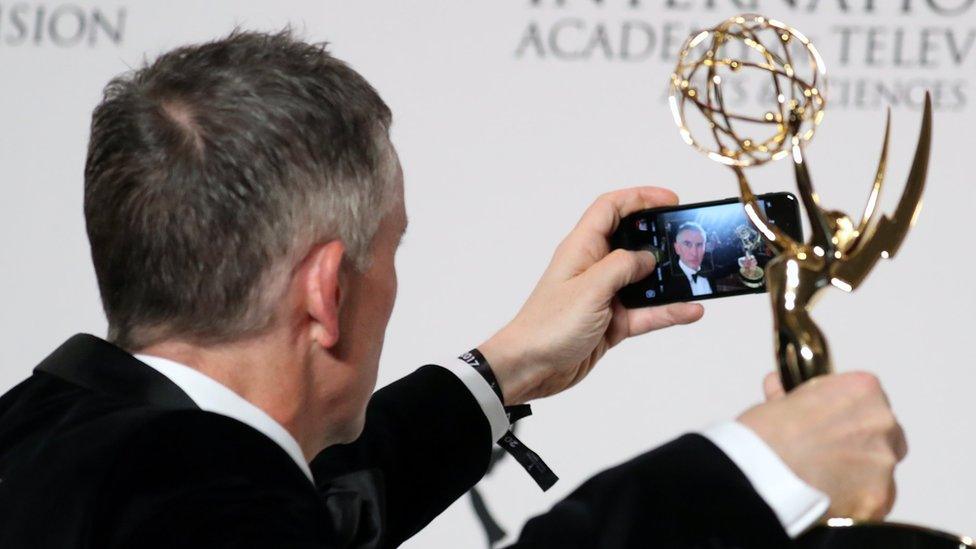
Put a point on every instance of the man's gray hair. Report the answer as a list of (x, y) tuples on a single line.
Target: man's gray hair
[(213, 170), (690, 226)]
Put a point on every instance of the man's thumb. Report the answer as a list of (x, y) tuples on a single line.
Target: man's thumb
[(620, 268)]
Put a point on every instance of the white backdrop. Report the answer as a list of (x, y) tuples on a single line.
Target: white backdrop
[(510, 117)]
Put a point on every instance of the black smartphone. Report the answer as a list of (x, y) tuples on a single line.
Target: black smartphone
[(704, 250)]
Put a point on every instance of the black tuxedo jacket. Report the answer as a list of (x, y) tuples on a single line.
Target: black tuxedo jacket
[(677, 285), (98, 450)]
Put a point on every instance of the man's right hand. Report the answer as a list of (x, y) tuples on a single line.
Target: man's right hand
[(573, 317), (839, 435)]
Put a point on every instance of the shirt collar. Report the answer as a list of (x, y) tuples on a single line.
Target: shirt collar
[(212, 396), (687, 270)]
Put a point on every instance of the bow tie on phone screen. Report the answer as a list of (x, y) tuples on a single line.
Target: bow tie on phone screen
[(694, 278)]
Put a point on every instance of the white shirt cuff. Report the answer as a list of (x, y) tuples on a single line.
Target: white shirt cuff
[(483, 393), (797, 504)]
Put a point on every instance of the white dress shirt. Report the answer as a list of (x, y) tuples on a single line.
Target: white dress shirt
[(795, 503), (699, 287), (212, 396)]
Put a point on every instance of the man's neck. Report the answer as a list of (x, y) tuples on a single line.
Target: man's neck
[(260, 371), (687, 269)]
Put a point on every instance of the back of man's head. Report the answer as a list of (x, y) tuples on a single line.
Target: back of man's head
[(211, 171)]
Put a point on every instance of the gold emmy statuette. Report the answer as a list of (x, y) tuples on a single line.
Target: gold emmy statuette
[(751, 276), (840, 252)]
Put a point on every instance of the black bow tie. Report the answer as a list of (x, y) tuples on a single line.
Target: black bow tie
[(694, 278)]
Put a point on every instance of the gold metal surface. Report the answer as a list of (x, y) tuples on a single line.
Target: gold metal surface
[(838, 253), (767, 47), (842, 533), (751, 240)]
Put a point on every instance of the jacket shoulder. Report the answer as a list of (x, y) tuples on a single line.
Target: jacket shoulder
[(128, 471), (196, 444)]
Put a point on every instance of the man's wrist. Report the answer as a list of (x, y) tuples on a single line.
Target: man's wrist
[(482, 392), (515, 371), (795, 503), (479, 376)]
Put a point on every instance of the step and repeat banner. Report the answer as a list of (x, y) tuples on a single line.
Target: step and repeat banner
[(510, 117)]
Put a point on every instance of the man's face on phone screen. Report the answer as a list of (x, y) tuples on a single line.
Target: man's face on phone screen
[(690, 247)]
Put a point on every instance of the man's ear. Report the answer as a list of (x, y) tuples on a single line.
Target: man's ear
[(323, 292)]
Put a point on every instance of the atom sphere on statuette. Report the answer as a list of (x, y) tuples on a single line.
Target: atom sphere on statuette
[(746, 48)]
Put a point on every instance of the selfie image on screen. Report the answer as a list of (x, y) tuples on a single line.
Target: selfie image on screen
[(702, 252)]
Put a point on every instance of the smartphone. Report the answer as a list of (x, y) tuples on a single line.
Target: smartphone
[(704, 250)]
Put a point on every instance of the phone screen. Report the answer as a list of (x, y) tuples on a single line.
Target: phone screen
[(704, 250)]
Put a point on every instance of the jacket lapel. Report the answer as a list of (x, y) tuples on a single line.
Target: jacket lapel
[(97, 365)]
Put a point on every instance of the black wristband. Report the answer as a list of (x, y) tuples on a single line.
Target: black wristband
[(476, 360), (529, 460)]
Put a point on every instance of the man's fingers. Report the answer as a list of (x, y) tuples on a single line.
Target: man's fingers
[(649, 319), (899, 442), (618, 329), (587, 242), (616, 270), (773, 387), (892, 496), (603, 216)]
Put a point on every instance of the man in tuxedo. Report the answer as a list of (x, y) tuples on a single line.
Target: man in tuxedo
[(685, 280), (244, 205)]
